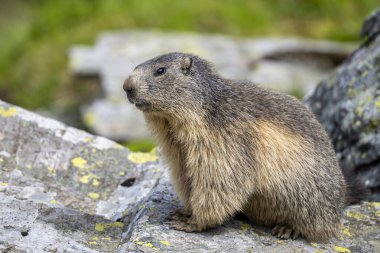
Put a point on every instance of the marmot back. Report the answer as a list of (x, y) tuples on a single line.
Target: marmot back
[(233, 146)]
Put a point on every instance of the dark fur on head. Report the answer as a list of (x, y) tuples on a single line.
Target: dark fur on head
[(179, 90)]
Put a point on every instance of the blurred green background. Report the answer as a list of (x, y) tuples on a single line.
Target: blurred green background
[(35, 35)]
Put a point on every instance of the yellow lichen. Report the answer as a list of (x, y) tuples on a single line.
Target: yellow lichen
[(93, 195), (53, 201), (85, 179), (95, 182), (355, 215), (117, 224), (314, 244), (166, 243), (106, 238), (3, 184), (95, 238), (92, 243), (79, 162), (359, 111), (346, 231), (341, 249), (377, 213), (88, 139), (376, 204), (99, 227), (11, 111), (140, 157), (244, 226), (52, 171), (150, 245), (102, 226), (377, 104)]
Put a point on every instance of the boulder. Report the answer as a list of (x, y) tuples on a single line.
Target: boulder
[(348, 105), (65, 190)]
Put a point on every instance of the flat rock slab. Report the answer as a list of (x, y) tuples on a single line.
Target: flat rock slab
[(26, 226), (51, 170), (149, 232)]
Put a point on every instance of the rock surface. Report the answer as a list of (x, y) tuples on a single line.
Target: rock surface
[(285, 64), (348, 104), (149, 233), (64, 190)]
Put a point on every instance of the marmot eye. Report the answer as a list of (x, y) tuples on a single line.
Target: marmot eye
[(160, 71)]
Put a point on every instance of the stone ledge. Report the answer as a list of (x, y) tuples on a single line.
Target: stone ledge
[(149, 232)]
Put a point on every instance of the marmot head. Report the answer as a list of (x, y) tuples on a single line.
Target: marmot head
[(170, 84)]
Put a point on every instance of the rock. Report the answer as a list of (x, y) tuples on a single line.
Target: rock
[(150, 233), (292, 65), (27, 226), (348, 105), (64, 190), (371, 26)]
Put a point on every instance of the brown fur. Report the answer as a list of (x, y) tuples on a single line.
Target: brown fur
[(234, 146)]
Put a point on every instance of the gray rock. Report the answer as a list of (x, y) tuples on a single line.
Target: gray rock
[(371, 26), (284, 64), (26, 226), (62, 189), (149, 232), (348, 104)]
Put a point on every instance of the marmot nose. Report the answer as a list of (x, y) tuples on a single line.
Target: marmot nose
[(128, 88), (130, 92)]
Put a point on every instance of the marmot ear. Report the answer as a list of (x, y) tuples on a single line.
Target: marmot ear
[(186, 64)]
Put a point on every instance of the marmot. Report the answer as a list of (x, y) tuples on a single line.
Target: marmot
[(233, 146)]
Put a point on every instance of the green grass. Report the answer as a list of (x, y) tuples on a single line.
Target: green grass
[(141, 145), (36, 35)]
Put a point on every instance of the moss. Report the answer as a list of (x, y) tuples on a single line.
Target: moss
[(140, 145)]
